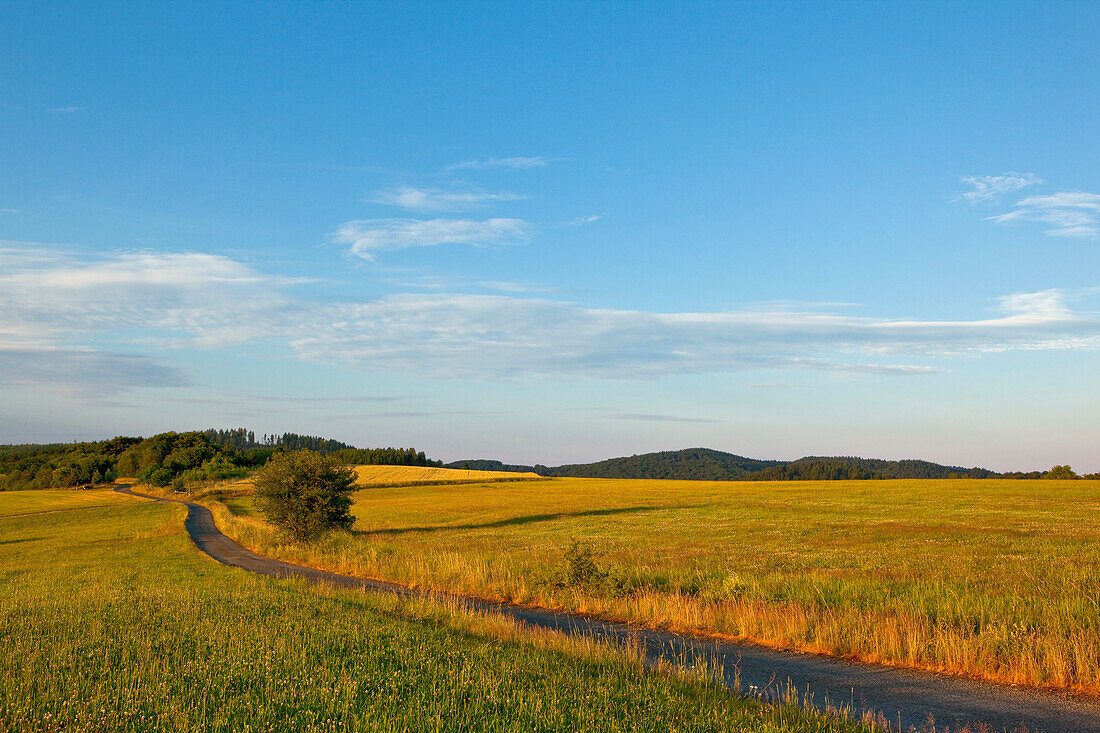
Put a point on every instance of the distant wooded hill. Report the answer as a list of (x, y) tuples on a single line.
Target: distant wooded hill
[(703, 464), (825, 468)]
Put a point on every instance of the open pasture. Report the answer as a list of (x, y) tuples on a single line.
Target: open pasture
[(236, 493), (36, 502), (990, 578), (377, 475), (111, 620)]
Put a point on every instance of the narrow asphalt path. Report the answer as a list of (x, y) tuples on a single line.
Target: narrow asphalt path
[(911, 697)]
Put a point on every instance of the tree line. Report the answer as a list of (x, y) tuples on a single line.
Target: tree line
[(174, 458), (840, 468), (851, 468), (244, 440), (711, 465)]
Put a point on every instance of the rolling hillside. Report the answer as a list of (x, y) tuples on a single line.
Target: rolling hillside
[(701, 464), (704, 464)]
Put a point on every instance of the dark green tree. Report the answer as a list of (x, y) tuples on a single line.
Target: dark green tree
[(305, 494), (1060, 472)]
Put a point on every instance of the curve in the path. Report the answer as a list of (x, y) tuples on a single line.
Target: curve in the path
[(911, 697)]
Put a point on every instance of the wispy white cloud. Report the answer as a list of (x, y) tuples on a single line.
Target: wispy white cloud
[(16, 255), (205, 298), (582, 220), (1068, 213), (6, 212), (452, 283), (483, 336), (91, 312), (1045, 304), (366, 237), (992, 188), (67, 110), (188, 270), (435, 199), (82, 370), (516, 164), (510, 286)]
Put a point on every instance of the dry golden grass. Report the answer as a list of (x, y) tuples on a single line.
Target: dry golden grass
[(235, 493), (374, 475), (112, 621), (44, 501), (995, 579), (367, 476)]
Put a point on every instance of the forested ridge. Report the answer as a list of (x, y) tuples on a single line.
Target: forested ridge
[(701, 464), (173, 458), (485, 464), (712, 465), (826, 468), (242, 439)]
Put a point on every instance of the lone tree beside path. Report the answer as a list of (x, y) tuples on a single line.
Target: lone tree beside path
[(305, 494)]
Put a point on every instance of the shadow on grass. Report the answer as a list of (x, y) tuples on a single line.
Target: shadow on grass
[(516, 521), (25, 539)]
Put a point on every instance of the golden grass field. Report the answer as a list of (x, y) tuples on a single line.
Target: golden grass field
[(371, 475), (112, 620), (998, 579), (41, 502)]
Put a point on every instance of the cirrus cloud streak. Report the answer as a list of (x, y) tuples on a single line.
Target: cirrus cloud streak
[(436, 199), (992, 188), (95, 312), (493, 336), (366, 237), (1068, 213), (515, 164)]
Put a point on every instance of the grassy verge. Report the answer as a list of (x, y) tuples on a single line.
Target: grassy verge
[(14, 503), (993, 579), (110, 620)]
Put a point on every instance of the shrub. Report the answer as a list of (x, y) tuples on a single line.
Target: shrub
[(220, 467), (580, 564), (155, 475), (1060, 472), (305, 494)]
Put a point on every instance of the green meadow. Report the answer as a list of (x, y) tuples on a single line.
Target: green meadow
[(111, 620), (998, 579), (16, 503)]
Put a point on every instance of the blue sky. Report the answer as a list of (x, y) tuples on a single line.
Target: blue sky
[(557, 232)]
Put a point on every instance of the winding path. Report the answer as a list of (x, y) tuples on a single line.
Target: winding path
[(910, 696)]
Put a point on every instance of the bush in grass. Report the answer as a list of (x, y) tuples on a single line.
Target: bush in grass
[(1060, 472), (581, 566), (305, 494), (220, 467), (155, 475)]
